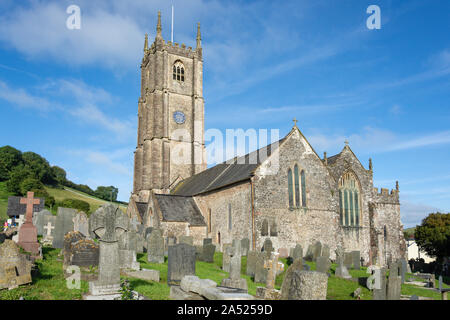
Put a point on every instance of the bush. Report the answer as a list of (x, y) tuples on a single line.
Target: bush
[(17, 176), (30, 184), (75, 204)]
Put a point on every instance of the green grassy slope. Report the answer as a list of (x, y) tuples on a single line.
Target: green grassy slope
[(3, 201)]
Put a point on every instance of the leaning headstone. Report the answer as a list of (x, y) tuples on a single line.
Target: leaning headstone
[(268, 248), (356, 258), (15, 268), (155, 247), (323, 264), (63, 225), (187, 239), (251, 263), (289, 288), (297, 252), (226, 257), (85, 253), (235, 280), (81, 223), (260, 271), (317, 250), (108, 222), (208, 251), (39, 221), (181, 262), (245, 246)]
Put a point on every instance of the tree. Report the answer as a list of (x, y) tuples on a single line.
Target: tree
[(4, 174), (433, 235), (17, 175), (30, 184), (60, 174), (10, 157), (107, 193), (40, 167)]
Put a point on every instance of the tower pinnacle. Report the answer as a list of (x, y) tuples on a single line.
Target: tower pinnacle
[(146, 43), (199, 36), (158, 27)]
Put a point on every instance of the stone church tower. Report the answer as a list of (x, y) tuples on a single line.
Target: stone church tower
[(170, 144)]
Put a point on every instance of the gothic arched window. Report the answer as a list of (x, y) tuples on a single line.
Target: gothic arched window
[(178, 71), (349, 200), (291, 193), (297, 187), (303, 178)]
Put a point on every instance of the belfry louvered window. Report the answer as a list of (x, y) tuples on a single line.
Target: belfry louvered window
[(349, 200), (178, 71)]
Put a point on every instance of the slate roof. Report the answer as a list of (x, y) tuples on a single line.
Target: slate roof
[(226, 173), (331, 160), (15, 208), (142, 208), (179, 209)]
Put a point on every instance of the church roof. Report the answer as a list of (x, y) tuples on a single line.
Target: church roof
[(15, 208), (142, 208), (331, 160), (179, 209), (226, 173)]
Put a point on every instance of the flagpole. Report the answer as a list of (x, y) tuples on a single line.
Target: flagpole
[(172, 25)]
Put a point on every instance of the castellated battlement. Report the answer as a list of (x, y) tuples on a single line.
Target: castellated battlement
[(384, 196)]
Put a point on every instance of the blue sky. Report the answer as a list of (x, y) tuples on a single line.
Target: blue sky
[(71, 95)]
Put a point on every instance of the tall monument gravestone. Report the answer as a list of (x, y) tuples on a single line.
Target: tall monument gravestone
[(155, 247), (235, 280), (180, 263), (28, 232), (108, 223), (64, 224)]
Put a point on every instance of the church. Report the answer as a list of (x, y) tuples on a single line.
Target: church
[(309, 198)]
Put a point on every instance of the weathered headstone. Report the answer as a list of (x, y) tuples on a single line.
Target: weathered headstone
[(356, 258), (169, 241), (235, 280), (208, 251), (341, 270), (39, 221), (181, 262), (128, 241), (317, 250), (309, 253), (187, 239), (245, 246), (127, 260), (207, 241), (348, 260), (403, 269), (155, 247), (27, 231), (81, 223), (289, 287), (307, 285), (69, 238), (48, 230), (108, 222), (63, 225), (323, 264), (394, 283), (379, 291), (268, 248), (85, 253), (15, 268), (260, 271), (272, 266), (326, 251), (226, 257), (297, 252), (251, 263)]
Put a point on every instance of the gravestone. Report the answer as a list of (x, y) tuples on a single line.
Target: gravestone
[(356, 258), (403, 269), (85, 253), (235, 280), (27, 231), (18, 222), (147, 231), (140, 243), (226, 257), (69, 238), (283, 252), (251, 263), (245, 246), (348, 260), (260, 271), (63, 225), (108, 223), (268, 248), (15, 268), (309, 253), (48, 230), (297, 252), (208, 251), (169, 241), (394, 283), (341, 270), (326, 251), (128, 241), (289, 288), (127, 260), (273, 267), (128, 244), (39, 221), (181, 262), (81, 223), (207, 241), (317, 250), (323, 264), (310, 285), (155, 247), (187, 239), (379, 291)]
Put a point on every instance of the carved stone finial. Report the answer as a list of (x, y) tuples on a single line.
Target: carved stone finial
[(325, 158), (396, 186), (199, 36), (158, 27), (346, 142), (295, 122), (146, 43), (370, 164)]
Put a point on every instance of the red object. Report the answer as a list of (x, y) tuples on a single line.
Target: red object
[(28, 232)]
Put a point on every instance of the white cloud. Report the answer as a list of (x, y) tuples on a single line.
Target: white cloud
[(19, 97), (412, 214)]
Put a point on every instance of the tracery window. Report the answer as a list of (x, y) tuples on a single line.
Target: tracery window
[(296, 187), (178, 71), (349, 200)]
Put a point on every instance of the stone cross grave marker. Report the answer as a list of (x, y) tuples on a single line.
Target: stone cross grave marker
[(48, 230), (235, 280), (108, 223), (272, 266), (28, 232)]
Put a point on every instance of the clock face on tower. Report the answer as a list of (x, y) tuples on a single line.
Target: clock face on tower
[(179, 117)]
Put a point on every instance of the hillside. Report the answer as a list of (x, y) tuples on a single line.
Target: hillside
[(59, 195)]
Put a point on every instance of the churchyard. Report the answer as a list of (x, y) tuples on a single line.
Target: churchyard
[(74, 256)]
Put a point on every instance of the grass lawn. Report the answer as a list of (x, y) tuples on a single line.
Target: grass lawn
[(3, 202), (49, 283)]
